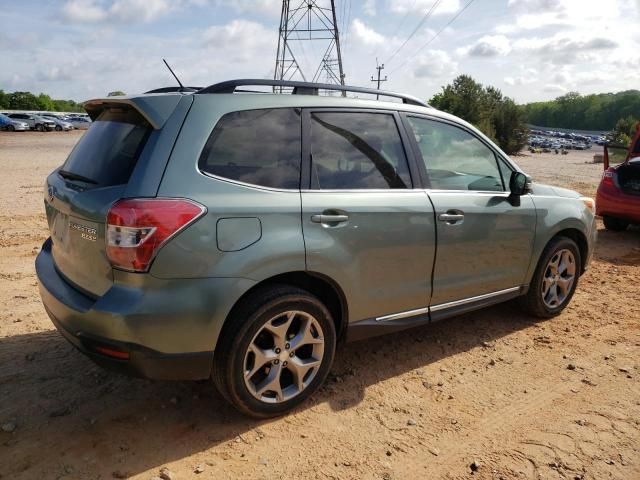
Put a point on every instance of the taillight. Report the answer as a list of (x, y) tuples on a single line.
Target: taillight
[(608, 178), (138, 228)]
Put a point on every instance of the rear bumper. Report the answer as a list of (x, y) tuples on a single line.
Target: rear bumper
[(168, 329), (141, 362), (613, 202)]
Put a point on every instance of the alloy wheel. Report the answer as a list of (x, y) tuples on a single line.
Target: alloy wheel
[(284, 357), (559, 277)]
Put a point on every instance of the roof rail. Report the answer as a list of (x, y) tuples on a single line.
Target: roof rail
[(306, 88), (174, 89)]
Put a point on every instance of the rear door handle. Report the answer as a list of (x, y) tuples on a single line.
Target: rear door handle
[(452, 217), (329, 218)]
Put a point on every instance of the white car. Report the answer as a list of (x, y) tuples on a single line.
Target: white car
[(35, 121), (61, 125), (80, 123)]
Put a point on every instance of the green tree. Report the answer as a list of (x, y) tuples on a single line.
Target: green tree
[(45, 103), (117, 93), (23, 101), (590, 112), (4, 99), (487, 108), (625, 130)]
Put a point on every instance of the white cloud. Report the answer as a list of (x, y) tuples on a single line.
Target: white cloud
[(488, 46), (365, 34), (532, 21), (563, 44), (83, 11), (555, 89), (241, 37), (272, 8), (536, 5), (423, 6), (520, 80), (434, 64), (128, 11), (369, 7)]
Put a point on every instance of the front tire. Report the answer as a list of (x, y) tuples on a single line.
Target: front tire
[(39, 128), (555, 279), (58, 128), (615, 224), (275, 351)]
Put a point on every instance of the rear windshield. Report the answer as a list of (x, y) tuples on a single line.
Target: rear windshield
[(108, 152)]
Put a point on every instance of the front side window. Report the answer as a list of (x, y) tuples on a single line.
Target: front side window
[(260, 147), (455, 159), (357, 151)]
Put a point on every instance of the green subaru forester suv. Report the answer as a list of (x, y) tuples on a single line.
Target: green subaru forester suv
[(229, 234)]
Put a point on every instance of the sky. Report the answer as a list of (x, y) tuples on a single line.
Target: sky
[(532, 50)]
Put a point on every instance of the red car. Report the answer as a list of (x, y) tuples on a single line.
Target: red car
[(618, 199)]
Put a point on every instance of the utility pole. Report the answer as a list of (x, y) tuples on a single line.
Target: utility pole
[(379, 80), (307, 21)]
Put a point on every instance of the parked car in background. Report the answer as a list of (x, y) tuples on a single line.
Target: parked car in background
[(35, 122), (11, 125), (618, 198), (242, 237), (60, 123), (79, 123)]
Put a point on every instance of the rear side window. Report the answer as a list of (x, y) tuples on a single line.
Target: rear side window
[(109, 151), (260, 147), (357, 151)]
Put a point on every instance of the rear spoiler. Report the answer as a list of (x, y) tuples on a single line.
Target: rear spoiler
[(156, 109)]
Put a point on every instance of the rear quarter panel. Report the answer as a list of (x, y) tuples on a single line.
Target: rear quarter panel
[(195, 252)]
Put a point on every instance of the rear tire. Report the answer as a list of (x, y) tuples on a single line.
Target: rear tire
[(10, 128), (39, 128), (555, 279), (615, 224), (263, 359), (58, 128)]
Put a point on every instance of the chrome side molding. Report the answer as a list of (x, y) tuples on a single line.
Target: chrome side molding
[(464, 301), (445, 306), (398, 316)]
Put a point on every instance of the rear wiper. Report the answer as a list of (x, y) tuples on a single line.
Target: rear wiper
[(75, 176)]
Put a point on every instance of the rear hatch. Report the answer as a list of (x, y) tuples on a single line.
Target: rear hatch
[(80, 193)]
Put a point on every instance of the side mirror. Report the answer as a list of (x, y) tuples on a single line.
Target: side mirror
[(519, 184)]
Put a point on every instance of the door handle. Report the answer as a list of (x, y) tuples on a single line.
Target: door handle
[(329, 218), (451, 217)]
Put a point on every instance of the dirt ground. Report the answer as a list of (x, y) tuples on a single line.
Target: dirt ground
[(523, 399)]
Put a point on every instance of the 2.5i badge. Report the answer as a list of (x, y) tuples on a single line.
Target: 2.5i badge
[(86, 233)]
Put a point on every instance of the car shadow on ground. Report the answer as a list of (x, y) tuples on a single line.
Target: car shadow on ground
[(619, 248), (101, 422)]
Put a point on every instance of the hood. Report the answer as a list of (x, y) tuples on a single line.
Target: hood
[(549, 190)]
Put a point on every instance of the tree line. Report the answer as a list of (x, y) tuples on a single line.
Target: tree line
[(42, 102), (502, 120), (589, 112)]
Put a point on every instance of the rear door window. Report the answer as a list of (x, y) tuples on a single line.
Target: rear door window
[(259, 147), (352, 150), (109, 151)]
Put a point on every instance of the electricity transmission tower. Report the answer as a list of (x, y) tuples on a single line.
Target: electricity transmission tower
[(314, 23)]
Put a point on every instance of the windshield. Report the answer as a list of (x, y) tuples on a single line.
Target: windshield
[(108, 152)]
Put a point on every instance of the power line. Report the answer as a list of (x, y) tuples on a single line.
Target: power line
[(404, 19), (455, 17), (415, 30)]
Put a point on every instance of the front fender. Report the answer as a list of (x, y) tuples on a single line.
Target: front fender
[(560, 214)]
